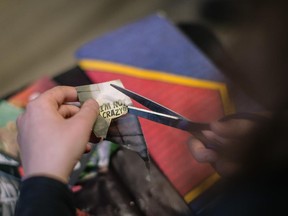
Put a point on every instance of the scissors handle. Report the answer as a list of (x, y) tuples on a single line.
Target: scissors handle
[(260, 119), (246, 116)]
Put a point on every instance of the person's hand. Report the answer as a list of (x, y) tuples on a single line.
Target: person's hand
[(53, 134), (234, 137)]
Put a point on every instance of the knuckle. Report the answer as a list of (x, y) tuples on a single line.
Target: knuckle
[(33, 104), (51, 92), (39, 104)]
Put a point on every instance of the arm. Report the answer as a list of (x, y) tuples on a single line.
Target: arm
[(40, 195), (52, 137)]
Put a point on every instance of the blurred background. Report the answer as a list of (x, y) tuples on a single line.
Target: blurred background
[(40, 37)]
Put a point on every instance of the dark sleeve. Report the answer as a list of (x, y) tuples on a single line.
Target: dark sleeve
[(44, 196)]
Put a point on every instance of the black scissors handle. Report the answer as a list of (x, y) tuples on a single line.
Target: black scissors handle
[(259, 119), (246, 116)]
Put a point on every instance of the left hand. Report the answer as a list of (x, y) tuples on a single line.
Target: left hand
[(53, 135)]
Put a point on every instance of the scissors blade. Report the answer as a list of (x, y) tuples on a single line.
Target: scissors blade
[(176, 122), (169, 120), (152, 105)]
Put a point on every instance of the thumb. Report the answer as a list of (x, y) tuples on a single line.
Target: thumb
[(87, 114)]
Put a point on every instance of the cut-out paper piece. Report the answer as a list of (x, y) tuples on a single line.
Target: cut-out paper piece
[(114, 123), (112, 103)]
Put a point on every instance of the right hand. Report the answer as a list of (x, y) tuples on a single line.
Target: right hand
[(234, 136)]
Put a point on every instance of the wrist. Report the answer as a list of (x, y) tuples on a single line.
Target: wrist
[(44, 174), (47, 168)]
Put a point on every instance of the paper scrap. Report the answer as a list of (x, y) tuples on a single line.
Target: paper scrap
[(113, 103)]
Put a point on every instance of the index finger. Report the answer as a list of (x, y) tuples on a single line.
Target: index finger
[(60, 94)]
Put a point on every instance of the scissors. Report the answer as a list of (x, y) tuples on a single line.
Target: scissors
[(163, 115)]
